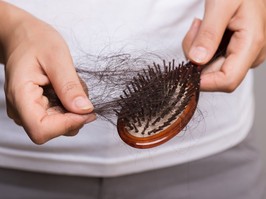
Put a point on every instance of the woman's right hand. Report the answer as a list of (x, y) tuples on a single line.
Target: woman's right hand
[(247, 47), (35, 55)]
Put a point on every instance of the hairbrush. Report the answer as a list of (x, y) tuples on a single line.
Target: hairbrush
[(156, 104)]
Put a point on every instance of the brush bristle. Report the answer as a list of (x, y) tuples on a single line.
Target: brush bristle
[(157, 97)]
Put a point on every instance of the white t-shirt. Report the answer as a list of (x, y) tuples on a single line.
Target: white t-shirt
[(106, 27)]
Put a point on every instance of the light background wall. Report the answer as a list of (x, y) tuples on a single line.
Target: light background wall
[(260, 116)]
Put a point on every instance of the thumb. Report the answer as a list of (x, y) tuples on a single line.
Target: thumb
[(66, 83), (211, 30), (72, 94), (190, 35)]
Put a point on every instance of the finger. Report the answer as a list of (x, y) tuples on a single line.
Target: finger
[(72, 133), (59, 67), (261, 58), (42, 123), (240, 56), (56, 125), (12, 113), (12, 99), (216, 18), (190, 36)]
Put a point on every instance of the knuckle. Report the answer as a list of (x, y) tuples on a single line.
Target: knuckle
[(225, 82), (260, 38), (10, 113), (70, 87), (230, 85), (72, 133), (9, 94), (229, 89), (18, 122), (57, 46), (37, 137), (37, 133), (72, 126), (208, 36), (259, 61), (69, 128), (259, 41)]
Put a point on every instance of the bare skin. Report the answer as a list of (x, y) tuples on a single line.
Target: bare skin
[(35, 54), (247, 19)]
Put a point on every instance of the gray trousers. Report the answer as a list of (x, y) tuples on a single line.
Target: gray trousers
[(232, 174)]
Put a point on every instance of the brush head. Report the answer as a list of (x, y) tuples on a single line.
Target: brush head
[(158, 103)]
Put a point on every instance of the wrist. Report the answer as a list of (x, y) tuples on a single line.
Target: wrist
[(16, 24)]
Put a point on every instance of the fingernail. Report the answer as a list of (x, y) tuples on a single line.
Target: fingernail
[(83, 103), (198, 54)]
